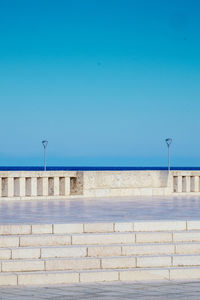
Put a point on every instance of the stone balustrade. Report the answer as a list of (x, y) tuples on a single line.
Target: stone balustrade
[(30, 184), (63, 184), (186, 181)]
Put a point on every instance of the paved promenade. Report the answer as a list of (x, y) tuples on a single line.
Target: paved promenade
[(106, 291), (103, 210), (100, 210)]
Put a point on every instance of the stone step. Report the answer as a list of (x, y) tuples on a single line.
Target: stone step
[(64, 277), (117, 262), (99, 250), (149, 226), (69, 253), (98, 238), (34, 240)]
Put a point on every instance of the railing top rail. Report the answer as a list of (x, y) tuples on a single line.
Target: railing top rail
[(185, 173), (38, 174)]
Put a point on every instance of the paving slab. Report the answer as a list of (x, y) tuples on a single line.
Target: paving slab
[(152, 290), (94, 210)]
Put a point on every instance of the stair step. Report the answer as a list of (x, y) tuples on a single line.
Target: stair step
[(64, 277), (98, 238), (34, 240), (70, 253), (115, 262), (99, 250), (162, 225)]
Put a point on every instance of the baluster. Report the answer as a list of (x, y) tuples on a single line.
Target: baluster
[(179, 184), (67, 186), (187, 184), (196, 184), (22, 186), (45, 186), (56, 186), (10, 182)]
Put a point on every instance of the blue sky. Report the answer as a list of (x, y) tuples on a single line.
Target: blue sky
[(105, 81)]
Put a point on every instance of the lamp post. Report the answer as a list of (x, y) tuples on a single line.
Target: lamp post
[(44, 143), (168, 142)]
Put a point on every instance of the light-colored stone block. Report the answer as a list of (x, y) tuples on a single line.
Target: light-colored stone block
[(104, 251), (56, 186), (154, 261), (98, 227), (9, 241), (123, 227), (125, 179), (99, 276), (188, 184), (160, 226), (179, 185), (118, 263), (67, 228), (186, 260), (193, 225), (186, 236), (10, 186), (8, 279), (146, 274), (33, 186), (148, 249), (41, 228), (15, 229), (22, 265), (45, 240), (190, 248), (93, 239), (154, 237), (22, 253), (72, 264), (45, 186), (187, 273), (63, 252), (126, 183), (5, 253), (22, 186), (43, 278)]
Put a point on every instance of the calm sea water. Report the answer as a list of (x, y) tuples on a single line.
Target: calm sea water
[(78, 168)]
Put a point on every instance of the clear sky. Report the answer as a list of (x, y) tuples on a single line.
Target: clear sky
[(105, 81)]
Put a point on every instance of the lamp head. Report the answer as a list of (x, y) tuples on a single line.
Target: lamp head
[(168, 141), (44, 143)]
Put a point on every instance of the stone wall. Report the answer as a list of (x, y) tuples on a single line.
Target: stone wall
[(69, 184), (125, 183)]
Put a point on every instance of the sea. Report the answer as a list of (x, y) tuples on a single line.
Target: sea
[(93, 168)]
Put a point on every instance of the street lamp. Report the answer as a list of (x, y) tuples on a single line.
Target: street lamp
[(168, 142), (44, 143)]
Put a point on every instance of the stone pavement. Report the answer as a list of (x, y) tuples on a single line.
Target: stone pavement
[(145, 291), (96, 210)]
